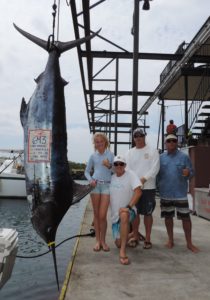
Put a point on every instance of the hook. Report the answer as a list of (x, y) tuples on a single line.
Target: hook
[(50, 42)]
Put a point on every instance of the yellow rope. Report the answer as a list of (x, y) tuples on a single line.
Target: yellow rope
[(51, 244)]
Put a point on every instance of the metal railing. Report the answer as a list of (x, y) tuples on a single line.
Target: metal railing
[(201, 92)]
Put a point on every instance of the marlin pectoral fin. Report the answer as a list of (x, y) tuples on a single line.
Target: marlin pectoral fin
[(80, 191), (23, 112)]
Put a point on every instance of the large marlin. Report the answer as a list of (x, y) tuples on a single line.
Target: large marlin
[(50, 188)]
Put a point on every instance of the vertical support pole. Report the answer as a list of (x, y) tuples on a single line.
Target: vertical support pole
[(135, 66), (163, 123), (159, 129), (106, 128), (116, 105), (110, 116), (186, 107)]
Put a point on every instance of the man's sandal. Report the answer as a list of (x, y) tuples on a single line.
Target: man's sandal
[(141, 237), (147, 245), (124, 260), (132, 243)]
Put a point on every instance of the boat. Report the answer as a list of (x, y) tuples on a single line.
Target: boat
[(8, 251), (12, 179)]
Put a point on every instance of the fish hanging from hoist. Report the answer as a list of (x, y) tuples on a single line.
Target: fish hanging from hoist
[(49, 186)]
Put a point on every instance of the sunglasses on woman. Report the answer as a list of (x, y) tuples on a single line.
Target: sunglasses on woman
[(138, 135)]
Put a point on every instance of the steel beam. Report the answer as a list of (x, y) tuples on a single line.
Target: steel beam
[(146, 56), (120, 93)]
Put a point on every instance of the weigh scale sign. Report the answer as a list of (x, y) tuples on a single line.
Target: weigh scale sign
[(39, 142)]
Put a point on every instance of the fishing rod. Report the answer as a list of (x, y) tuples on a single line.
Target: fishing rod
[(91, 234)]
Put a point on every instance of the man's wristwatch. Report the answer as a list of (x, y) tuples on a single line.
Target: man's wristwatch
[(129, 207)]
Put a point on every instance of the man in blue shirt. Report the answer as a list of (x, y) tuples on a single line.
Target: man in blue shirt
[(175, 171)]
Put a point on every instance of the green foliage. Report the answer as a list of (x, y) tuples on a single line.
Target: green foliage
[(77, 170), (77, 166)]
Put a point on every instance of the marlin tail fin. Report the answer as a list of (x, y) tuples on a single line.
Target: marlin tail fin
[(60, 46)]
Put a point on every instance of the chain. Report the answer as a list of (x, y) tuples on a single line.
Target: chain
[(51, 38)]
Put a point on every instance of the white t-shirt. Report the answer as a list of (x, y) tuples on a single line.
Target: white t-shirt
[(145, 162), (121, 191)]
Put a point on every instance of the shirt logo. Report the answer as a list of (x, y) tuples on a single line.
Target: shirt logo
[(146, 155)]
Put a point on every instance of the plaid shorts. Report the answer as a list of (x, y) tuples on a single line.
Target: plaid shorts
[(168, 208)]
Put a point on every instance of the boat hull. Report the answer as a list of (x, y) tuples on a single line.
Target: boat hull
[(12, 186)]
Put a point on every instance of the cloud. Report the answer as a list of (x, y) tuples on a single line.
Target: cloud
[(162, 29)]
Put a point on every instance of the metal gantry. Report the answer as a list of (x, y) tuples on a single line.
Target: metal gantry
[(103, 109), (103, 105)]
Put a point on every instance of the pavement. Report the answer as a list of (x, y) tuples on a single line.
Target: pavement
[(154, 274)]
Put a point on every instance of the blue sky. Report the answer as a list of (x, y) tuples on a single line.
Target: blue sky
[(162, 29)]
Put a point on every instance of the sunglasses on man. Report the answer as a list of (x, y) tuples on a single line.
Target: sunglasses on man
[(171, 141), (121, 164)]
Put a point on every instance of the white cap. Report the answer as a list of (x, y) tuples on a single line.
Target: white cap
[(139, 131), (119, 158), (171, 136)]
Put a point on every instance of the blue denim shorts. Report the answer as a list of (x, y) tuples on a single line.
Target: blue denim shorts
[(101, 188), (116, 226)]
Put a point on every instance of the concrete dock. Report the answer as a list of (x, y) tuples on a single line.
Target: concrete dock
[(158, 273)]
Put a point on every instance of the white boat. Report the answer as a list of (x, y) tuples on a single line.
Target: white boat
[(8, 251), (12, 179)]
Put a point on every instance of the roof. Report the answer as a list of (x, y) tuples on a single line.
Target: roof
[(173, 77)]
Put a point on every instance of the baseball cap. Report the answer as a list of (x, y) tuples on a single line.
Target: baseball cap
[(171, 136), (139, 132), (119, 158)]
